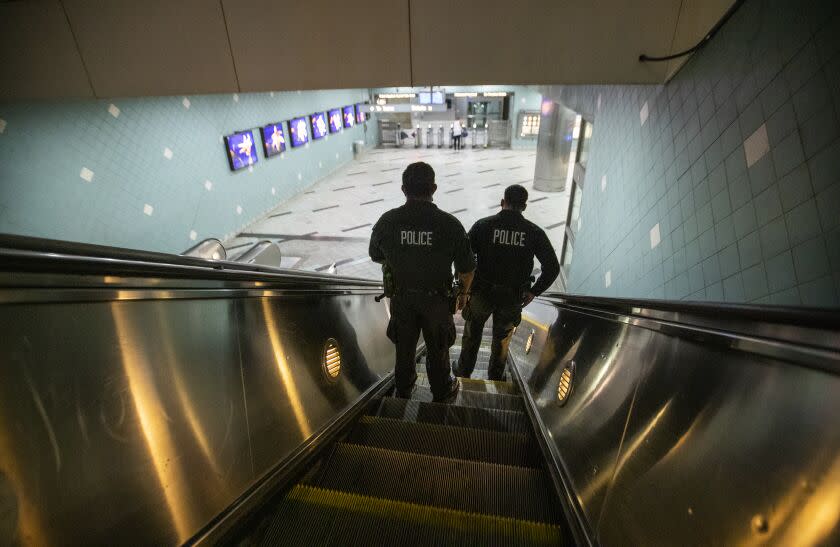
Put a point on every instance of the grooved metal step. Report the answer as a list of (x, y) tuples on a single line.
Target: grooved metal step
[(475, 399), (446, 441), (475, 384), (508, 421), (315, 516), (508, 491)]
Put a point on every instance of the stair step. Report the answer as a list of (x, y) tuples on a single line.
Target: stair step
[(476, 384), (508, 421), (503, 490), (446, 441), (476, 399), (316, 516)]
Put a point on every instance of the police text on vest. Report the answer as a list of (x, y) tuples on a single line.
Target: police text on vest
[(411, 237), (507, 237)]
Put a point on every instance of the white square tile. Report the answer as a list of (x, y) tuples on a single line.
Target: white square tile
[(655, 238), (336, 155), (238, 209), (273, 191), (113, 110), (643, 113), (193, 235), (599, 102), (756, 145), (250, 168), (271, 94), (167, 153), (320, 164), (186, 102), (208, 185), (603, 182), (86, 174), (148, 209), (300, 176), (608, 278), (236, 97)]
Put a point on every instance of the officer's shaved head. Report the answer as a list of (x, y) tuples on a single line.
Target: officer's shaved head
[(516, 196), (418, 180)]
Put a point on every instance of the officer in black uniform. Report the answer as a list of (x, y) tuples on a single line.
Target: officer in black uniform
[(505, 245), (419, 243)]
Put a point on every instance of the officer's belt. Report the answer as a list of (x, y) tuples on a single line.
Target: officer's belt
[(424, 292), (480, 284)]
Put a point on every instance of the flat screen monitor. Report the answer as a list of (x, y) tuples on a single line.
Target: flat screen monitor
[(361, 112), (319, 125), (274, 139), (335, 120), (242, 150), (349, 116), (430, 97), (299, 131)]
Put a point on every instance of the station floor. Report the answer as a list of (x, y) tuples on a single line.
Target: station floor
[(327, 227)]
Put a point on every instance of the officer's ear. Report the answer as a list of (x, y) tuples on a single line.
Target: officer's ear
[(524, 206), (502, 203), (403, 190), (434, 188)]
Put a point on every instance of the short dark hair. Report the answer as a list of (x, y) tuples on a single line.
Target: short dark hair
[(418, 180), (516, 196)]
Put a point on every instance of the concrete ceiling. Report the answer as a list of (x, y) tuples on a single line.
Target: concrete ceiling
[(106, 48)]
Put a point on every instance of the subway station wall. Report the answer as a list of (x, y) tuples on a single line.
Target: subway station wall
[(152, 173), (724, 184)]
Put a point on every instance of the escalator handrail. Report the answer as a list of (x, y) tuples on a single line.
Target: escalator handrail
[(38, 255), (813, 317)]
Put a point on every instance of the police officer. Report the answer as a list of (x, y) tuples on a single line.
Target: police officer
[(419, 243), (505, 245)]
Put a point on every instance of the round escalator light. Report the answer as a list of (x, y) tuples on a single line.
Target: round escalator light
[(331, 360), (529, 342), (564, 388)]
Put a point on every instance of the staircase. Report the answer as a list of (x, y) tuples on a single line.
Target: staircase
[(417, 472)]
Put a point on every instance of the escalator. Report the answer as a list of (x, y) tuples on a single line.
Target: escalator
[(466, 473), (154, 399)]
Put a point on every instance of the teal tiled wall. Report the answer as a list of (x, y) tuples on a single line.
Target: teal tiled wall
[(735, 163), (45, 146)]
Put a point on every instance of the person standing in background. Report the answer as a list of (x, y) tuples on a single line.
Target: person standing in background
[(456, 134)]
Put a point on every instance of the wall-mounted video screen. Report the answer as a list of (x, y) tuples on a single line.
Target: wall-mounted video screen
[(299, 131), (335, 120), (274, 139), (430, 97), (361, 112), (242, 150), (319, 125), (349, 116)]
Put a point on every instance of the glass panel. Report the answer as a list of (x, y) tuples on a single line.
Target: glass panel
[(567, 253), (585, 143), (574, 210)]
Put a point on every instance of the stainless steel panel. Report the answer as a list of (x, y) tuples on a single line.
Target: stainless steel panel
[(137, 421), (678, 436)]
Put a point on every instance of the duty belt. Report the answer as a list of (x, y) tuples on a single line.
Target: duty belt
[(425, 292), (486, 285)]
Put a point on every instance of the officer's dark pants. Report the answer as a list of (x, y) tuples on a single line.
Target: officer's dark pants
[(506, 309), (412, 313)]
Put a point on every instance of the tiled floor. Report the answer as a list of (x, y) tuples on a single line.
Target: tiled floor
[(330, 223)]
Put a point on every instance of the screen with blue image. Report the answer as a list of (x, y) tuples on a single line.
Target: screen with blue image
[(335, 120), (242, 150), (299, 131), (361, 110), (349, 116), (319, 125), (274, 139)]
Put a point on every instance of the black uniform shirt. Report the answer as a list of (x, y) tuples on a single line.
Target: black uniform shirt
[(420, 242), (506, 245)]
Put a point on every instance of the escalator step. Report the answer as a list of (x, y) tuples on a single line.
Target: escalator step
[(503, 490), (475, 399), (474, 384), (314, 516), (446, 441), (507, 421)]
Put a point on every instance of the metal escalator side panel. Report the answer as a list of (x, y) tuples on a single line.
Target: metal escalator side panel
[(665, 420)]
